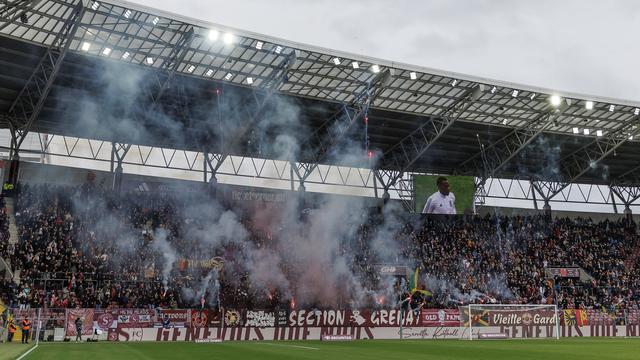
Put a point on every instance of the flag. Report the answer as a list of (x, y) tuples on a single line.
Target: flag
[(577, 317), (477, 319), (414, 284), (581, 317)]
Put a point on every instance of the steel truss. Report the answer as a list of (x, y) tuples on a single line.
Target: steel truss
[(575, 193), (496, 155), (401, 157), (200, 165), (191, 165), (28, 104), (338, 127)]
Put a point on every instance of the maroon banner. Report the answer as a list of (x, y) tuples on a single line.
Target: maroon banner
[(440, 317), (200, 318), (105, 319), (260, 318), (177, 318), (366, 318), (85, 315), (135, 318)]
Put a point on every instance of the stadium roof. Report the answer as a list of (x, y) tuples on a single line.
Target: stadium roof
[(420, 119)]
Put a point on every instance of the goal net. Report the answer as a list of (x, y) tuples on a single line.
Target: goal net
[(500, 321)]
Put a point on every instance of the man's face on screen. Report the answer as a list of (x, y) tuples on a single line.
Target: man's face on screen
[(443, 187)]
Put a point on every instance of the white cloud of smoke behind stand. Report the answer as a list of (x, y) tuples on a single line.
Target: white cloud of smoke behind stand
[(308, 258)]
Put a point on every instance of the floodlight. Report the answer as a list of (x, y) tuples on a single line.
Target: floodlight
[(106, 51), (213, 34), (454, 82), (555, 100), (209, 72), (494, 89), (588, 105), (576, 130), (533, 96), (278, 49), (249, 80), (127, 13), (514, 93), (636, 111), (149, 60), (86, 46), (504, 121), (228, 76), (336, 61), (228, 38), (612, 107), (126, 55), (155, 21), (413, 75), (599, 133), (259, 45), (375, 68), (355, 65), (95, 5), (586, 131), (191, 68)]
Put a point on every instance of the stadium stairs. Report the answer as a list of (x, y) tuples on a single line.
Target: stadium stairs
[(13, 238)]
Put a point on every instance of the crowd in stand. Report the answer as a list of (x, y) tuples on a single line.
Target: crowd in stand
[(89, 247)]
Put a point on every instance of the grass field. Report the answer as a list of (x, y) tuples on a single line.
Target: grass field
[(602, 349)]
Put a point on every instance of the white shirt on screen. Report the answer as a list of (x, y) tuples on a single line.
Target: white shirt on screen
[(440, 204)]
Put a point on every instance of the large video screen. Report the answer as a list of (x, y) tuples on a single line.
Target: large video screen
[(451, 196)]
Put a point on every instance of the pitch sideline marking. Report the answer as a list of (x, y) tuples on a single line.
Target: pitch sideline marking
[(27, 353), (293, 346)]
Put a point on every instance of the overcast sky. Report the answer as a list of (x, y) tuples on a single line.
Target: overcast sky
[(583, 46)]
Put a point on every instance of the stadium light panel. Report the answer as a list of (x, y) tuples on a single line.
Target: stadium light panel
[(191, 68), (636, 112), (155, 21), (494, 89), (630, 137), (454, 82), (278, 49), (504, 122), (228, 38), (259, 45), (86, 46), (514, 93), (588, 105), (127, 13), (126, 55), (576, 130), (375, 68), (95, 5), (336, 61), (586, 131), (249, 80), (555, 100), (533, 96), (149, 60), (209, 72), (228, 76), (413, 75), (106, 51), (612, 107), (599, 133), (213, 34), (355, 65)]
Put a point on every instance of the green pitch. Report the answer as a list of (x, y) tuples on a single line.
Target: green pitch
[(602, 349)]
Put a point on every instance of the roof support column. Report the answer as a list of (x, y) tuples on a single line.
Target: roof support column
[(27, 106), (118, 153)]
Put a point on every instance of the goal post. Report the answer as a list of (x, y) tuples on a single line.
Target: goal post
[(507, 321)]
